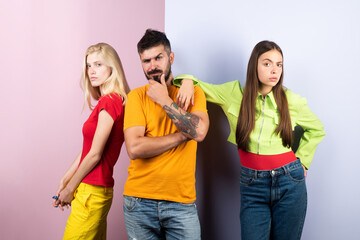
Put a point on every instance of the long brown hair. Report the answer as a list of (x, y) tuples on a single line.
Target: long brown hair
[(246, 120)]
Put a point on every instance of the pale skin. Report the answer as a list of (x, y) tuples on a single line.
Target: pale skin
[(65, 180), (65, 192), (269, 72), (191, 125), (98, 73)]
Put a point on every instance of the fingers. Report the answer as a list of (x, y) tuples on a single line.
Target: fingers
[(187, 102), (178, 99), (162, 79), (305, 172), (55, 201), (64, 204), (152, 82), (179, 102), (59, 203), (61, 207), (184, 102)]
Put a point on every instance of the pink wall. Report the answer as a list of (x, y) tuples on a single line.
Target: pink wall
[(42, 47)]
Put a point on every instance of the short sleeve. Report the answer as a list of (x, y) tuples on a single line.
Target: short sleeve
[(112, 104), (134, 112)]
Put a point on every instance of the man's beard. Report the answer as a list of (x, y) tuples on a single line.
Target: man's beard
[(158, 77)]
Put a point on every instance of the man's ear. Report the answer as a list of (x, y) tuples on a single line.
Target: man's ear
[(171, 57)]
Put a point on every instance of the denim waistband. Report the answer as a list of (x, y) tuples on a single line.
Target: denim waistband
[(271, 173)]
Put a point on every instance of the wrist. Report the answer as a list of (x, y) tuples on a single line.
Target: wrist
[(166, 101), (70, 187), (182, 137), (186, 80)]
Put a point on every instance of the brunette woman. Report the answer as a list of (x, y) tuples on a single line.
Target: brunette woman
[(262, 116)]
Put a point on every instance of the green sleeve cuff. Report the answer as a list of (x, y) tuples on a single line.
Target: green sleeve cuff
[(177, 80)]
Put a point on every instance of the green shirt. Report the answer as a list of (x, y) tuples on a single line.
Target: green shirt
[(263, 140)]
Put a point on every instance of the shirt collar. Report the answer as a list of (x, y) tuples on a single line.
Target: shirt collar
[(271, 97)]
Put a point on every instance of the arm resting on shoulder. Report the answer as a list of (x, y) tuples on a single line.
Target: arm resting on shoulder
[(220, 94), (193, 125)]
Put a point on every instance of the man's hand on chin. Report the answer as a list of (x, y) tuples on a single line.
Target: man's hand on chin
[(158, 92)]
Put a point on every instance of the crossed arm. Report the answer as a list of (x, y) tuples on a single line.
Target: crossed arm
[(140, 146), (191, 126)]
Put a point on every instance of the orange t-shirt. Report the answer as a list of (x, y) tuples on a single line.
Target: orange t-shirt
[(171, 175)]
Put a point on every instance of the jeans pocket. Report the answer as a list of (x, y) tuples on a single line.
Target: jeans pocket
[(297, 174), (246, 180), (130, 203), (188, 204)]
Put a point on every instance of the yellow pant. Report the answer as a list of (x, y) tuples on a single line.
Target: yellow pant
[(89, 210)]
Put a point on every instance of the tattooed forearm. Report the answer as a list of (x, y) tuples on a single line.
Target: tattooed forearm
[(184, 121)]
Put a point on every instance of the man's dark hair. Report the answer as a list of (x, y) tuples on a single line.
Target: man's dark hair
[(153, 38)]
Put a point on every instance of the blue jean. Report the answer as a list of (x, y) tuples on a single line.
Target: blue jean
[(273, 203), (158, 219)]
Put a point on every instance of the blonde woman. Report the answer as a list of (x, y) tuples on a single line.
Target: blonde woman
[(88, 184)]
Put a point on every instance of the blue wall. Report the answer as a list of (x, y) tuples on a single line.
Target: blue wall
[(321, 43)]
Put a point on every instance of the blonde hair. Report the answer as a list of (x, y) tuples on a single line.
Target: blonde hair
[(116, 83)]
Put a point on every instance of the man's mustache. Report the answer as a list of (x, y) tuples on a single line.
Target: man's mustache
[(156, 77), (154, 71)]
